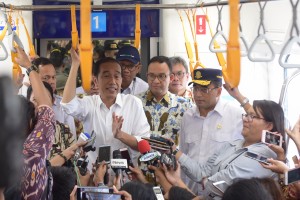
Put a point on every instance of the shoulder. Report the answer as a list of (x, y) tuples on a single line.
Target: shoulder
[(229, 107), (141, 81), (130, 99), (262, 149), (45, 110), (142, 95)]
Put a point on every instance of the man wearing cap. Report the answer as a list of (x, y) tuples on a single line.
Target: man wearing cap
[(163, 109), (210, 123), (129, 59), (110, 48)]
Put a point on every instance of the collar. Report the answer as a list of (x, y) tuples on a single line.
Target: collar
[(118, 100), (166, 97), (57, 99), (219, 108), (131, 86)]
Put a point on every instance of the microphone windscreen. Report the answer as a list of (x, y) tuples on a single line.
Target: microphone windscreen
[(144, 146), (117, 154)]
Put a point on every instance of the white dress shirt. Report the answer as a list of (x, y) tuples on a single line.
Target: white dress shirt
[(201, 136), (136, 86), (96, 116), (63, 117)]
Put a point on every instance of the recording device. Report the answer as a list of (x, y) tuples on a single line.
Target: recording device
[(221, 186), (271, 138), (152, 157), (89, 146), (96, 193), (82, 164), (292, 176), (257, 157), (125, 155), (158, 193), (118, 163), (104, 154)]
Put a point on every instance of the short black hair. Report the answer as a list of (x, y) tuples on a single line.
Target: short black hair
[(247, 189), (139, 190), (42, 61), (180, 193), (161, 59), (64, 180), (57, 56), (97, 67)]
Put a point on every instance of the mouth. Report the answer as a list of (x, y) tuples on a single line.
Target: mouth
[(112, 89)]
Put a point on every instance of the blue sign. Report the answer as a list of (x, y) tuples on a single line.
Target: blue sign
[(98, 22)]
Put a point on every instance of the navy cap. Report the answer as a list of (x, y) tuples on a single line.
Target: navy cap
[(128, 53), (110, 45), (204, 76)]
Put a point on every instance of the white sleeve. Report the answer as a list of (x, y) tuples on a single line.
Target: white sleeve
[(77, 108)]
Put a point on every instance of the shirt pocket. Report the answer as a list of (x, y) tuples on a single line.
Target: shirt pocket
[(220, 135)]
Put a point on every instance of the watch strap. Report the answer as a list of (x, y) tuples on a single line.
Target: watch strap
[(32, 68)]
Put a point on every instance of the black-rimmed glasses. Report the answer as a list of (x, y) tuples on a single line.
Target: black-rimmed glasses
[(130, 67), (179, 74), (152, 77), (250, 118), (203, 90)]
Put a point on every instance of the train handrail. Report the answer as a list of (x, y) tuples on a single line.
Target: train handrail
[(294, 39), (261, 37), (219, 33)]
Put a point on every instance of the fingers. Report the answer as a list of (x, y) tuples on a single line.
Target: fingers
[(72, 195)]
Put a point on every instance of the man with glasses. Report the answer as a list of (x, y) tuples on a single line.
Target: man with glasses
[(210, 123), (129, 59), (163, 109), (181, 76)]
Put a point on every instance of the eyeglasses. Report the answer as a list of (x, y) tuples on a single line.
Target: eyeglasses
[(203, 90), (130, 67), (161, 77), (250, 118), (179, 74)]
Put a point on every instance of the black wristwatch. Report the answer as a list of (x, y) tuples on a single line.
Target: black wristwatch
[(175, 151), (32, 68)]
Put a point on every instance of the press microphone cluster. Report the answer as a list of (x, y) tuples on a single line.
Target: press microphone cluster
[(89, 146)]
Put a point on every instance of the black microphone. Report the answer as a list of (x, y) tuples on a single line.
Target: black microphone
[(114, 166)]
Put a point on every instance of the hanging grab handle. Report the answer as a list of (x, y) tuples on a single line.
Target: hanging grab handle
[(261, 37), (137, 39), (294, 40), (74, 33), (2, 35), (3, 57), (219, 33), (86, 55)]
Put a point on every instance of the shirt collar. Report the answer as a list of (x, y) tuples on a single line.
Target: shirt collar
[(118, 101), (150, 97)]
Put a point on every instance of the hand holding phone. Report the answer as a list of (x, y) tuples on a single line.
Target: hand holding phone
[(104, 154), (158, 193), (271, 138)]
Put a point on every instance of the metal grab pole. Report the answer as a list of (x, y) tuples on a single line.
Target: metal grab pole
[(120, 7)]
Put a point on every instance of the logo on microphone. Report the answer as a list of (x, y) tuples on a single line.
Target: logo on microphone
[(150, 156)]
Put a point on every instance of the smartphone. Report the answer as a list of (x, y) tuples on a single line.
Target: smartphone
[(125, 155), (221, 186), (271, 138), (104, 154), (257, 157), (158, 193), (96, 193), (292, 176)]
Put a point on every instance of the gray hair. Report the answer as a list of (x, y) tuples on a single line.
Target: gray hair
[(178, 60)]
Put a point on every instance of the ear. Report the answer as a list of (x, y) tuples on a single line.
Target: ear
[(219, 91), (270, 126)]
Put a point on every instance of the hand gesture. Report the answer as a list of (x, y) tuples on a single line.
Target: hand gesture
[(100, 173), (171, 174), (75, 58), (234, 92), (125, 194), (278, 150), (295, 133), (117, 125)]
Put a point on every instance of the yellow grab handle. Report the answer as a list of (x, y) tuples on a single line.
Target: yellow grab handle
[(86, 54), (74, 33), (137, 26), (3, 33), (30, 44), (233, 46), (16, 68)]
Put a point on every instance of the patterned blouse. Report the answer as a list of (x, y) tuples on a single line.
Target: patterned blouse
[(35, 151), (164, 117)]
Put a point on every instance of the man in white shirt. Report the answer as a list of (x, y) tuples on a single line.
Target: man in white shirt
[(210, 123), (129, 59), (118, 120), (47, 73)]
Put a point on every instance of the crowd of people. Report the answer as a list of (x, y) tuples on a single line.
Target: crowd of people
[(208, 136)]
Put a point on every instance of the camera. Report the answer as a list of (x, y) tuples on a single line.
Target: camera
[(169, 160), (82, 164)]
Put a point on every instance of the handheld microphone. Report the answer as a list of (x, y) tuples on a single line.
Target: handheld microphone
[(118, 163), (89, 146)]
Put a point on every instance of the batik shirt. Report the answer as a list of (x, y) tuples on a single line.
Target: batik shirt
[(164, 117), (35, 151)]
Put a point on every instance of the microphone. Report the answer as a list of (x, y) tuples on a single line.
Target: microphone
[(89, 146), (144, 146), (118, 163)]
